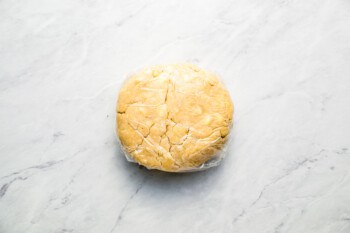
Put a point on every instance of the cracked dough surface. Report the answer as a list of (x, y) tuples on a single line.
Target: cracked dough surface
[(173, 117)]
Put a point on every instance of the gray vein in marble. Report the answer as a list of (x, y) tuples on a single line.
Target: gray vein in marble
[(125, 206), (132, 15), (278, 228), (39, 167), (267, 186), (44, 165), (5, 186)]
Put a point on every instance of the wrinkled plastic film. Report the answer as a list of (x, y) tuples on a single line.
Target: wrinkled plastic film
[(186, 135)]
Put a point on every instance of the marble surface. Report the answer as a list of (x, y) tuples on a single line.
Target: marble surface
[(286, 64)]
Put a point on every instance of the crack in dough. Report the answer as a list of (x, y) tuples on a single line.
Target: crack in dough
[(173, 117)]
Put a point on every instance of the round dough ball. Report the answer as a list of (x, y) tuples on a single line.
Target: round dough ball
[(173, 117)]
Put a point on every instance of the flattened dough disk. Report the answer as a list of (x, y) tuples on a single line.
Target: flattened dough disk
[(173, 117)]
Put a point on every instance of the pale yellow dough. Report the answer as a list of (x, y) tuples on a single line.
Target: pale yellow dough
[(173, 117)]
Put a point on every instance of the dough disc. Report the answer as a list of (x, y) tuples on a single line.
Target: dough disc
[(173, 117)]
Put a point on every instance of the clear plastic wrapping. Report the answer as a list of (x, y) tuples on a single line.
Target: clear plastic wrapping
[(174, 118)]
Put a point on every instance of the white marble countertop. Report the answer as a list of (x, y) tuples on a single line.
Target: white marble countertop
[(286, 64)]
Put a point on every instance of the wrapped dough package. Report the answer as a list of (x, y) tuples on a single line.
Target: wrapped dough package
[(174, 118)]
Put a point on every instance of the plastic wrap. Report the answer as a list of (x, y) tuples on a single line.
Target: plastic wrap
[(174, 118)]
